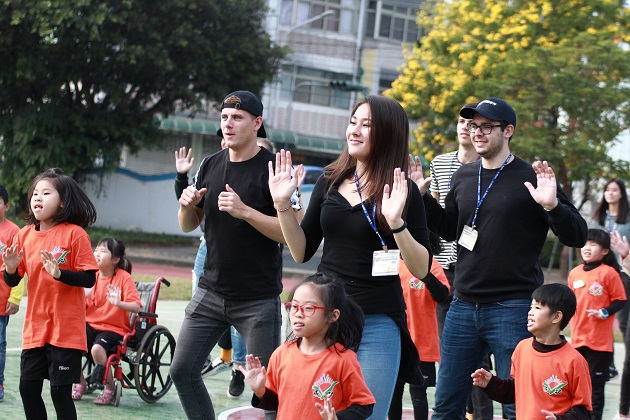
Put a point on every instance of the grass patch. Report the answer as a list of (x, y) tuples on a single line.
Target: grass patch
[(140, 238), (180, 288)]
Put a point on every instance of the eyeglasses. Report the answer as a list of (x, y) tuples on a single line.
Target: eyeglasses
[(307, 310), (485, 128)]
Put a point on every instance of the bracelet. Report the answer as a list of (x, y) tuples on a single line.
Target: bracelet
[(400, 229), (282, 210)]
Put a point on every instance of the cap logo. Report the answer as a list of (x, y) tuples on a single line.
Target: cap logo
[(233, 100), (485, 101)]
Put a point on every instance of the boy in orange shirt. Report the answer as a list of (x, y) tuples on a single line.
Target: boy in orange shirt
[(10, 297), (550, 379)]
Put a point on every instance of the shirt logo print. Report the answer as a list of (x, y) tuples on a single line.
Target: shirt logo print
[(60, 254), (416, 284), (3, 246), (324, 387), (553, 385), (596, 289)]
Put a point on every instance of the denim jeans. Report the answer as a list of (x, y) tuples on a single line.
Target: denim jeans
[(207, 316), (4, 321), (471, 331), (239, 350), (379, 357)]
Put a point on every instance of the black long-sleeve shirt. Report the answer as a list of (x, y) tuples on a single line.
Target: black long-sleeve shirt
[(512, 228)]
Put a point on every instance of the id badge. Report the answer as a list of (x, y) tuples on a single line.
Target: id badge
[(468, 238), (385, 263)]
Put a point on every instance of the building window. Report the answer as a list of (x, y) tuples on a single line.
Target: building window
[(392, 22), (312, 86), (343, 20)]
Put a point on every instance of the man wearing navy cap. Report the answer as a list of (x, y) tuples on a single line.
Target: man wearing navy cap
[(499, 209), (240, 284)]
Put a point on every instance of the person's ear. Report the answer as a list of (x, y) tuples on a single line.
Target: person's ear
[(334, 315), (115, 260), (557, 317)]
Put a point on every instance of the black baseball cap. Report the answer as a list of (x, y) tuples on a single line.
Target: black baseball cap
[(247, 101), (493, 108)]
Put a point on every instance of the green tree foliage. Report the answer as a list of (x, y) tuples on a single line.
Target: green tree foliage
[(563, 65), (80, 79)]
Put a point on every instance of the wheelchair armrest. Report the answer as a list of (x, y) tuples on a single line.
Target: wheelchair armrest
[(142, 314)]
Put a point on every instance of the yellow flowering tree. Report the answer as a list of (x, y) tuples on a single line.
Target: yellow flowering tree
[(563, 65)]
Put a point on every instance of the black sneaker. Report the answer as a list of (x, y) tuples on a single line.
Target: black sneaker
[(613, 371), (237, 384)]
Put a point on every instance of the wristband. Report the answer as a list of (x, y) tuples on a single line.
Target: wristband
[(604, 313), (400, 229)]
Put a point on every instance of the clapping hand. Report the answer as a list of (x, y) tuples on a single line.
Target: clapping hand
[(12, 258), (50, 264)]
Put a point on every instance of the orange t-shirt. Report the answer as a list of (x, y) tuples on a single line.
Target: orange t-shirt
[(554, 381), (8, 230), (301, 380), (421, 317), (55, 313), (102, 315), (594, 289)]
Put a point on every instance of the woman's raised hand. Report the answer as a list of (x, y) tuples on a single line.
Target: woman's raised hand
[(281, 183), (394, 199)]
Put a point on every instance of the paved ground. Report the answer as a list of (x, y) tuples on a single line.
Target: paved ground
[(132, 407)]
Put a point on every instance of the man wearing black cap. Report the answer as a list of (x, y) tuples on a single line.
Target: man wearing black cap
[(499, 209), (240, 285)]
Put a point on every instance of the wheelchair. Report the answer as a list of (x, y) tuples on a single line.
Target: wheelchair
[(147, 349)]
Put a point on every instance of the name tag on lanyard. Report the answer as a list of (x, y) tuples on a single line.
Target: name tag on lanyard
[(385, 263)]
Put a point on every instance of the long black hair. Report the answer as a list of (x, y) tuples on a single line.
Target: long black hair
[(624, 208), (348, 328)]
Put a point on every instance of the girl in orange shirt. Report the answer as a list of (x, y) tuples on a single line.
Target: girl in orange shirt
[(315, 374), (56, 253), (108, 305), (600, 294)]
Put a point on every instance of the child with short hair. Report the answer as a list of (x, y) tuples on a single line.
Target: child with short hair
[(108, 305), (10, 297), (56, 253), (315, 374), (549, 378), (600, 294)]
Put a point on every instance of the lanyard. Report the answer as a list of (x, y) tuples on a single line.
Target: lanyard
[(479, 197), (371, 220)]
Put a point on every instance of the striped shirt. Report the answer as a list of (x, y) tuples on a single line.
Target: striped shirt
[(442, 169)]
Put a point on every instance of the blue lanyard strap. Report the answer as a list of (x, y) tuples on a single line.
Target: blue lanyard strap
[(371, 220), (479, 197)]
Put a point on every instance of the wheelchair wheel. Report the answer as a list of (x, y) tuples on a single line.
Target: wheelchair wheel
[(155, 355), (117, 393)]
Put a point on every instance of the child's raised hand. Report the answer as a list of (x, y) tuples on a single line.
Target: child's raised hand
[(548, 415), (481, 377), (12, 258), (255, 375), (327, 411), (113, 295), (50, 264)]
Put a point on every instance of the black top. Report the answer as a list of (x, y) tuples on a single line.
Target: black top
[(349, 246), (242, 263), (512, 229)]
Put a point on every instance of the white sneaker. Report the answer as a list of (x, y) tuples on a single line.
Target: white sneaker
[(218, 365)]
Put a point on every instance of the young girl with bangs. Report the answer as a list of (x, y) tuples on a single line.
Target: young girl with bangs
[(108, 305), (315, 374), (370, 215), (55, 252)]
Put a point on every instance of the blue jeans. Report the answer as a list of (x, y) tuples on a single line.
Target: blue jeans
[(239, 350), (207, 317), (200, 258), (379, 357), (4, 321), (470, 332)]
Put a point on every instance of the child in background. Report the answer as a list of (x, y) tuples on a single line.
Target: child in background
[(422, 297), (108, 305), (10, 297), (600, 293), (550, 379), (55, 251), (315, 374)]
